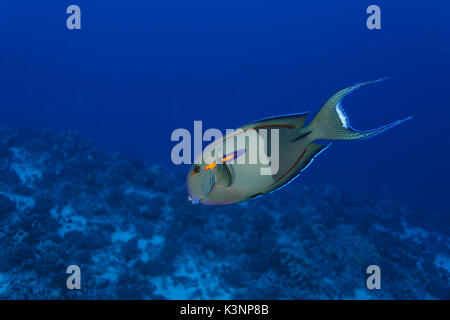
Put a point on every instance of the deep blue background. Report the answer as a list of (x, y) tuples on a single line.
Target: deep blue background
[(140, 69)]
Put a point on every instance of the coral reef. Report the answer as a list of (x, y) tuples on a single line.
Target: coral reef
[(134, 235)]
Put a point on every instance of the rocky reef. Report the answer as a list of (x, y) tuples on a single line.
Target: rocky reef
[(134, 235)]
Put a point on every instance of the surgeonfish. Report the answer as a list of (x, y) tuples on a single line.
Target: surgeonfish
[(226, 181)]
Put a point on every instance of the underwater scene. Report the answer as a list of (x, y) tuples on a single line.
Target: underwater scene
[(216, 150)]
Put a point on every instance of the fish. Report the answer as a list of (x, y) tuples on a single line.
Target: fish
[(230, 178)]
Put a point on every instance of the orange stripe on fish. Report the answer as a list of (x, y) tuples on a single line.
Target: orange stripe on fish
[(210, 166), (225, 159)]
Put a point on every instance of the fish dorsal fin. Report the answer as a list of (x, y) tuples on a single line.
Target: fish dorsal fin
[(223, 175), (289, 121), (303, 161)]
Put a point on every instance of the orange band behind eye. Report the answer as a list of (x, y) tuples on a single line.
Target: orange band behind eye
[(210, 166), (224, 159)]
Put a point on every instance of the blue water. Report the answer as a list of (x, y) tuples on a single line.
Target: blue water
[(138, 70)]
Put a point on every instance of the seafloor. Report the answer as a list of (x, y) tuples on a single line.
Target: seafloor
[(130, 228)]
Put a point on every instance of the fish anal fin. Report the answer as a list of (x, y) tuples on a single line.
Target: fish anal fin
[(311, 151), (256, 195)]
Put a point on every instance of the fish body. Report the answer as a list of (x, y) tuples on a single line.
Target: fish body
[(232, 177)]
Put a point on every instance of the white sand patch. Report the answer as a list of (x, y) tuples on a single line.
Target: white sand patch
[(195, 274), (3, 283), (123, 236), (415, 233), (143, 193), (111, 274), (442, 261), (379, 227), (70, 221), (157, 240), (25, 169), (150, 247), (21, 202)]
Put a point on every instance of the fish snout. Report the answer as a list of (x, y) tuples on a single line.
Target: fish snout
[(193, 199)]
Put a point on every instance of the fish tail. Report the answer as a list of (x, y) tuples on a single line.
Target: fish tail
[(331, 122)]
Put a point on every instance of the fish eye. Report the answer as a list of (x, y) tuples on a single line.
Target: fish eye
[(196, 169)]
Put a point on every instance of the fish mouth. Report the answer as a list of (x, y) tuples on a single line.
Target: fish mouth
[(197, 199), (194, 200), (191, 197)]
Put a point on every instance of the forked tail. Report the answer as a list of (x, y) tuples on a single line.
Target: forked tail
[(331, 122)]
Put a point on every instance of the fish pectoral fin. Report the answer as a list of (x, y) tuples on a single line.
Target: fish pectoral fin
[(223, 175)]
